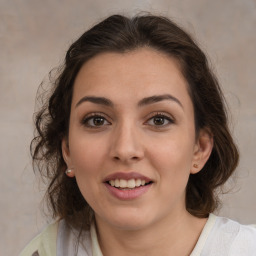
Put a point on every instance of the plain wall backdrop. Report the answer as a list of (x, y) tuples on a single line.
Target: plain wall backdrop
[(34, 36)]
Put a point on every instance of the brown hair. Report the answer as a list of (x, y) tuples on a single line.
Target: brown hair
[(121, 34)]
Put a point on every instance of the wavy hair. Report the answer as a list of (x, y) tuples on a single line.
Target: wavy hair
[(122, 34)]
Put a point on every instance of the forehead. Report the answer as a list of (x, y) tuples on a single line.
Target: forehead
[(143, 72)]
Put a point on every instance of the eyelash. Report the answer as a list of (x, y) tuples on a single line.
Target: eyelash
[(93, 116), (160, 115)]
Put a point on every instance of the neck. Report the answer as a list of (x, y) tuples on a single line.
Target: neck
[(174, 235)]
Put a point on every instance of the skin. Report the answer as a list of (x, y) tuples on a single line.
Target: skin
[(129, 138)]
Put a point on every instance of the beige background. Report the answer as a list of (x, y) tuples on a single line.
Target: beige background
[(33, 38)]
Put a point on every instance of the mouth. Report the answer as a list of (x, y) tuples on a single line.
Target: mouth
[(130, 184), (127, 185)]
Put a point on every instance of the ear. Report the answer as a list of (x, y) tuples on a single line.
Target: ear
[(66, 156), (202, 150)]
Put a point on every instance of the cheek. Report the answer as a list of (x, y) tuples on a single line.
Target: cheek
[(88, 166), (85, 152), (87, 157), (172, 160), (173, 155)]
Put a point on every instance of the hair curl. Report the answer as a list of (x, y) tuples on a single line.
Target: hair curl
[(121, 34)]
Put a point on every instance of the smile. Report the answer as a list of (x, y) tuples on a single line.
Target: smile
[(128, 184)]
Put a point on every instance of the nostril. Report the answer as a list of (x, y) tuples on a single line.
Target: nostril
[(125, 159)]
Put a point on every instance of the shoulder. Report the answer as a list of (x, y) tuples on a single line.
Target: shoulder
[(229, 237), (44, 243), (244, 241), (235, 229), (70, 239)]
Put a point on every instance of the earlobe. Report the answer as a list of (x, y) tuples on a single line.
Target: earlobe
[(70, 173), (203, 150)]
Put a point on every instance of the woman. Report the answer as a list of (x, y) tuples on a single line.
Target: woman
[(134, 142)]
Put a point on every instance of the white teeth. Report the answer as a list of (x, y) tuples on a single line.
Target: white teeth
[(132, 183), (138, 182), (123, 183), (117, 183)]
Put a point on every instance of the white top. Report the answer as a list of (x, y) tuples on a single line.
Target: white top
[(220, 237)]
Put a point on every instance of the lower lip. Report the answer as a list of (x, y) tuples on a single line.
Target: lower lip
[(128, 194)]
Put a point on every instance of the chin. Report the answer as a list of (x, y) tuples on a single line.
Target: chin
[(129, 219)]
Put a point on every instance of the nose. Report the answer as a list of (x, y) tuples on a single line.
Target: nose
[(126, 144)]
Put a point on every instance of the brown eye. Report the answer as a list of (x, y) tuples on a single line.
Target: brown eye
[(95, 121), (159, 120)]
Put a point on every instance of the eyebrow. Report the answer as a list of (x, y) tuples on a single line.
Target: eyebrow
[(145, 101), (158, 98), (96, 100)]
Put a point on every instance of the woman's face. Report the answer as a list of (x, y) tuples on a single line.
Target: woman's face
[(131, 140)]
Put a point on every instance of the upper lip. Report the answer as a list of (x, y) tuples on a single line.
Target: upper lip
[(126, 176)]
